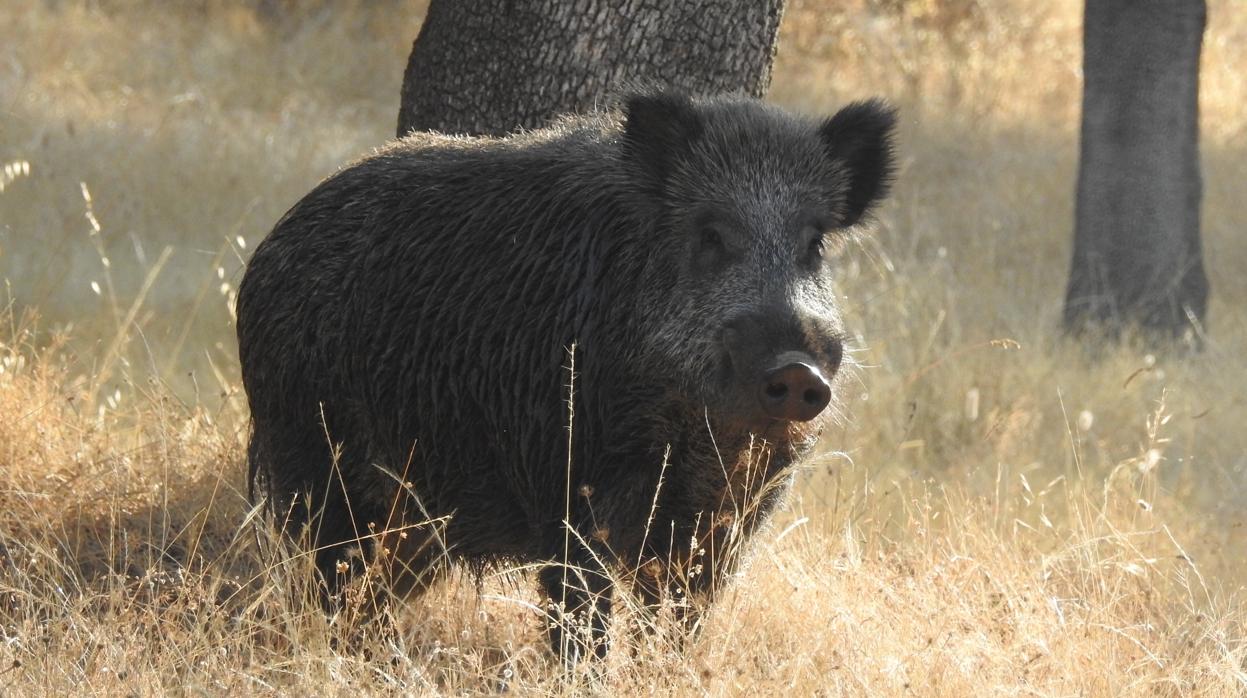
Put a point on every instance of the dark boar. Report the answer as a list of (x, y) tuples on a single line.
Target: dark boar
[(407, 334)]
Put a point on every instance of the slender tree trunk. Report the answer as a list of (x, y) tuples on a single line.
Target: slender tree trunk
[(494, 66), (1137, 259)]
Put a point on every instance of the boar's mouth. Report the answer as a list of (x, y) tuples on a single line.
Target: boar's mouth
[(738, 428), (797, 435)]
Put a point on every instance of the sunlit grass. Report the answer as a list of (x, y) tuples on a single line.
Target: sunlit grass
[(1002, 511)]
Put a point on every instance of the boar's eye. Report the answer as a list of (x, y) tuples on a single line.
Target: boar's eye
[(817, 244), (816, 249), (711, 249), (711, 239)]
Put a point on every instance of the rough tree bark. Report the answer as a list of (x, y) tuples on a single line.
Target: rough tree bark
[(493, 66), (1137, 259)]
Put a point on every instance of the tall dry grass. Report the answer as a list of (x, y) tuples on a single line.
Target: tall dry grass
[(1004, 512)]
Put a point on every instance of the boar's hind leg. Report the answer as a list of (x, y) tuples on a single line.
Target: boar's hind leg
[(409, 554), (307, 481), (404, 561), (579, 593)]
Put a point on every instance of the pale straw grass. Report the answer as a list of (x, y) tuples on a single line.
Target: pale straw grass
[(998, 511)]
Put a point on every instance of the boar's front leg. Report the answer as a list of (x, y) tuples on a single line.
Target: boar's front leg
[(578, 591)]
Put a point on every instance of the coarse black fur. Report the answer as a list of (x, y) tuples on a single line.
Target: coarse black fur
[(406, 333)]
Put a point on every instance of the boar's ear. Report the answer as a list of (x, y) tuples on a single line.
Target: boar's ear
[(658, 128), (859, 139)]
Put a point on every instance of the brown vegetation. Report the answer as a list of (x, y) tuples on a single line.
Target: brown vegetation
[(999, 514)]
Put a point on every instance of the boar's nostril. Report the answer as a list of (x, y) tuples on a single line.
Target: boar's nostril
[(815, 396), (796, 392)]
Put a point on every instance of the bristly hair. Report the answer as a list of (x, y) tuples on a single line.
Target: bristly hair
[(861, 137)]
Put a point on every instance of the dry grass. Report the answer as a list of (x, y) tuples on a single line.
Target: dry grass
[(1006, 516)]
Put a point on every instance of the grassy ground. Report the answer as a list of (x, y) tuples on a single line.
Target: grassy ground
[(1001, 513)]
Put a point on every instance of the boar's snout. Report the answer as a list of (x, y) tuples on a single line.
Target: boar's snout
[(794, 392), (782, 364)]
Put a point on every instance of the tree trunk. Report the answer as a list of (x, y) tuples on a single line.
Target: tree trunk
[(494, 66), (1137, 259)]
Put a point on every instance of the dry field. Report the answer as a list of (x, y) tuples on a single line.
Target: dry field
[(1002, 513)]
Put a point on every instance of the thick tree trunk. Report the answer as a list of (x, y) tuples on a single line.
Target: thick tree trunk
[(493, 66), (1137, 259)]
